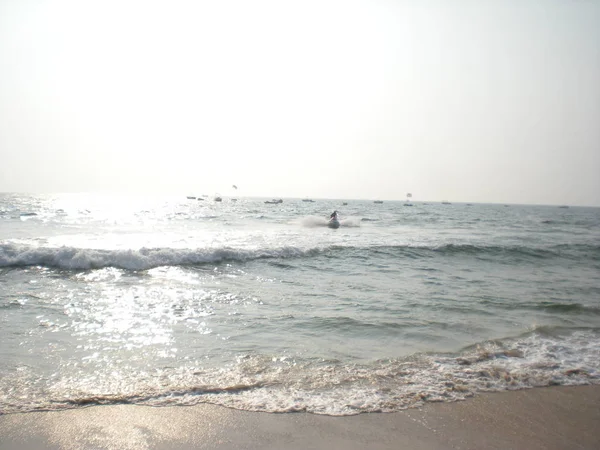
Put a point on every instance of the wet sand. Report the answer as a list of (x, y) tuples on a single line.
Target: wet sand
[(543, 418)]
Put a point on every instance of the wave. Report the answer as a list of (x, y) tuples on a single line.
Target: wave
[(544, 306), (576, 251), (265, 383), (567, 308), (71, 258)]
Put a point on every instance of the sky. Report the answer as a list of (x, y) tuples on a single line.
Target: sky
[(463, 100)]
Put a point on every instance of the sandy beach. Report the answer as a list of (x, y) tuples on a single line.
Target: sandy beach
[(544, 418)]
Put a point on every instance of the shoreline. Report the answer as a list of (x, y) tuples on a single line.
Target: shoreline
[(557, 417)]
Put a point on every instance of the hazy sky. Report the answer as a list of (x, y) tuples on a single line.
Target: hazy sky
[(483, 101)]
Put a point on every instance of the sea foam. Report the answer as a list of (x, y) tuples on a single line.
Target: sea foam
[(71, 258), (74, 258)]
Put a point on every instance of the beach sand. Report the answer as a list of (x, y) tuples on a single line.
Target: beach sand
[(543, 418)]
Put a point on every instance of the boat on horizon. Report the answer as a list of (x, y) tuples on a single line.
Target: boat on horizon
[(275, 201)]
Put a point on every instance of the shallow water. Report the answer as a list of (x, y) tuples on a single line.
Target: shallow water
[(165, 300)]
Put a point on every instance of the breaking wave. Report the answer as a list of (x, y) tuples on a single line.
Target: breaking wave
[(73, 258), (544, 357)]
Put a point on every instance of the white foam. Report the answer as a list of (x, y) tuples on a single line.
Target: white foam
[(398, 384), (350, 222), (73, 258), (285, 384), (317, 221), (313, 221)]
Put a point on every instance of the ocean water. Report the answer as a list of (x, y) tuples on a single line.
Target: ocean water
[(173, 301)]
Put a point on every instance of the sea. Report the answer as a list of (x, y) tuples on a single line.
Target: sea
[(169, 300)]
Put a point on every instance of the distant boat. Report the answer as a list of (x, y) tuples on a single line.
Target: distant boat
[(275, 201), (408, 197), (218, 199), (191, 197), (378, 201), (446, 202), (234, 199), (307, 200), (200, 199), (345, 203), (563, 206)]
